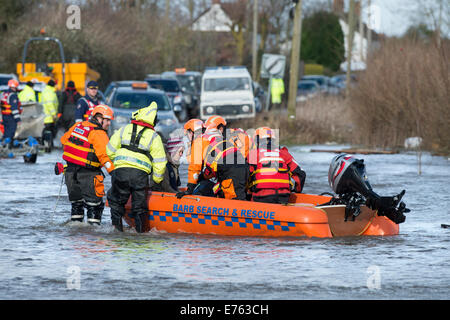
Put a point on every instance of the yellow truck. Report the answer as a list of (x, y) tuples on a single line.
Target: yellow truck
[(60, 72)]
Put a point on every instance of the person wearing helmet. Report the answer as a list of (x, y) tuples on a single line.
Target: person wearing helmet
[(174, 148), (11, 110), (194, 130), (50, 104), (137, 151), (271, 169), (86, 104), (224, 162), (85, 153)]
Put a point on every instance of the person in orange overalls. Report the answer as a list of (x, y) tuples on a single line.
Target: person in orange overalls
[(85, 153), (194, 130)]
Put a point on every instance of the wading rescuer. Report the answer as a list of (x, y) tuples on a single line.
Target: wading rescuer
[(194, 130), (50, 104), (137, 151), (271, 170), (86, 104), (85, 154), (11, 110)]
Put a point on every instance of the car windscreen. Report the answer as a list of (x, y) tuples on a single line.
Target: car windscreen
[(164, 85), (306, 86), (189, 83), (226, 84), (137, 100), (4, 81)]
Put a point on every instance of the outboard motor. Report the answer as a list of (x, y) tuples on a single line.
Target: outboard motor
[(348, 179)]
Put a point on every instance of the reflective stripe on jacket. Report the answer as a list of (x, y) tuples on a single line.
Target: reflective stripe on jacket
[(150, 157), (269, 172)]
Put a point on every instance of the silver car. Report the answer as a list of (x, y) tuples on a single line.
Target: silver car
[(126, 100)]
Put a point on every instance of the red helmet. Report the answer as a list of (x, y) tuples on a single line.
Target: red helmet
[(214, 122), (194, 125), (13, 83), (104, 110)]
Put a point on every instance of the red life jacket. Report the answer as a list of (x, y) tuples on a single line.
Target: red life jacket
[(270, 173), (91, 105), (78, 150), (6, 106)]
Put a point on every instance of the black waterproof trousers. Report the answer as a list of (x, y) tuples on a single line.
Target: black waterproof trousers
[(126, 182)]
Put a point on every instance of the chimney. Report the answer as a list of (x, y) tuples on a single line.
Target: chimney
[(338, 6)]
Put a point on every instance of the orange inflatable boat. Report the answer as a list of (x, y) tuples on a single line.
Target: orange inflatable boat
[(302, 217)]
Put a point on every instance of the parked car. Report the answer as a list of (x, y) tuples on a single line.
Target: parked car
[(4, 78), (126, 100), (227, 91), (321, 80), (338, 83), (191, 83), (307, 89), (124, 83), (172, 88)]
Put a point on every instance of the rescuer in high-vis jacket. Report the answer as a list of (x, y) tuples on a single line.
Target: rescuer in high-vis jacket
[(137, 151), (50, 103), (27, 94), (85, 153)]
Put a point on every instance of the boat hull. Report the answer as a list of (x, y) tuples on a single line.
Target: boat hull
[(302, 217)]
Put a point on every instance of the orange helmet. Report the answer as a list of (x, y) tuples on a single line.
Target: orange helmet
[(264, 133), (194, 125), (214, 122), (104, 110), (13, 83)]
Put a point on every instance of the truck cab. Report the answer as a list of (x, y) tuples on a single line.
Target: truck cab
[(227, 91)]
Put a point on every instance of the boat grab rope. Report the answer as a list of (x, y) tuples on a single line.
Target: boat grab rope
[(173, 195)]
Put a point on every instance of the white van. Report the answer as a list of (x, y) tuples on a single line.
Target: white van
[(227, 92)]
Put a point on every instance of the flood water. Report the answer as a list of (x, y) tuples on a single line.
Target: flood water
[(42, 257)]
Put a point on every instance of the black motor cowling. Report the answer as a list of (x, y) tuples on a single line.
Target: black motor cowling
[(347, 176)]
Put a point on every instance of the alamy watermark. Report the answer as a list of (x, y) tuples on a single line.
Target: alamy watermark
[(73, 281), (374, 278), (73, 21)]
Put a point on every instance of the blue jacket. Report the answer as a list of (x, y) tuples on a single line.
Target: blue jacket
[(84, 104)]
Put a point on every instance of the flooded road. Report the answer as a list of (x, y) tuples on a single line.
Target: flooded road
[(42, 257)]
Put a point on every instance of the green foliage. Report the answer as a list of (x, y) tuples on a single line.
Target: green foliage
[(322, 40)]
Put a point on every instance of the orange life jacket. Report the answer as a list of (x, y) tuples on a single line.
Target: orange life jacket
[(269, 172), (78, 150)]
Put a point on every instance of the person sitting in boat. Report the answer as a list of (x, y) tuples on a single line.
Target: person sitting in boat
[(224, 162), (271, 169), (137, 151), (194, 130), (174, 151)]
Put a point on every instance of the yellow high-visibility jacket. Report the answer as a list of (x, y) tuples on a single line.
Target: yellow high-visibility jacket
[(50, 104), (147, 154), (27, 94)]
